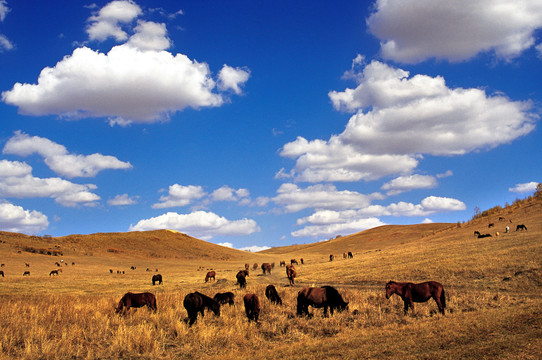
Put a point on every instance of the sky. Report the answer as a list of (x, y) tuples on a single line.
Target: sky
[(255, 124)]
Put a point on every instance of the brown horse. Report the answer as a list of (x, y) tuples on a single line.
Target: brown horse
[(331, 257), (272, 294), (210, 275), (196, 302), (293, 261), (255, 266), (282, 263), (26, 273), (247, 266), (252, 306), (241, 279), (290, 273), (411, 293), (224, 298), (326, 297), (350, 255), (130, 300), (157, 279), (53, 272), (266, 267)]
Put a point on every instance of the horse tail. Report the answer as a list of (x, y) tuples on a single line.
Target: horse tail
[(443, 299)]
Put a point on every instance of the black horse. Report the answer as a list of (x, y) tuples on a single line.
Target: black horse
[(272, 294), (411, 293), (521, 227), (196, 302), (157, 279), (224, 298)]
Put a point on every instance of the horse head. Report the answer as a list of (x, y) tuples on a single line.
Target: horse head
[(390, 290), (215, 308)]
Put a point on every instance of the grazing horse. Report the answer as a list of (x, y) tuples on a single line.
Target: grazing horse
[(411, 293), (210, 275), (282, 263), (224, 298), (350, 255), (272, 294), (2, 273), (326, 297), (196, 302), (157, 279), (241, 279), (266, 267), (331, 257), (521, 227), (252, 306), (53, 272), (57, 264), (255, 266), (481, 236), (131, 300), (490, 225), (27, 264), (132, 267), (290, 273), (293, 261), (477, 233), (26, 273)]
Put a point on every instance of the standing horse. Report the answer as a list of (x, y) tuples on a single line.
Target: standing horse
[(241, 279), (290, 273), (411, 293), (157, 279), (252, 306), (325, 297), (224, 298), (210, 275), (53, 272), (196, 302), (266, 267), (136, 301)]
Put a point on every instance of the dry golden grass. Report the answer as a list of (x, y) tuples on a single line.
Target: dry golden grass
[(493, 288)]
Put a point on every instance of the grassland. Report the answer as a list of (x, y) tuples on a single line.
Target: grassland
[(493, 288)]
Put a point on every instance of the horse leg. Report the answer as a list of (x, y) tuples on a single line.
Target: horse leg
[(325, 311)]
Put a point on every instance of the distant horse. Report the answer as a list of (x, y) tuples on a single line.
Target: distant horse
[(27, 264), (301, 261), (131, 300), (501, 218), (490, 225), (196, 302), (210, 275), (157, 279), (476, 233), (26, 273), (331, 257), (350, 255), (132, 267), (255, 266), (241, 279), (224, 298), (266, 267), (290, 273), (481, 236), (272, 294), (247, 266), (57, 264), (293, 261), (282, 263), (2, 273), (252, 306), (326, 297), (53, 272), (521, 227), (411, 293), (344, 255), (111, 271)]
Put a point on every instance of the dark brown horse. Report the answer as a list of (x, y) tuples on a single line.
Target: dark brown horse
[(130, 300), (196, 302), (282, 263), (157, 279), (241, 279), (266, 268), (521, 227), (350, 255), (210, 275), (2, 273), (326, 297), (290, 273), (26, 273), (272, 294), (252, 306), (255, 266), (293, 261), (411, 293), (224, 298), (331, 257), (53, 272)]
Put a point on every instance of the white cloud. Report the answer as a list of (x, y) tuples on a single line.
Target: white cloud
[(107, 22), (409, 182), (338, 228), (524, 188), (427, 221), (320, 196), (58, 159), (16, 181), (122, 200), (135, 82), (16, 219), (437, 204), (446, 174), (200, 224), (411, 31), (5, 44), (399, 119), (226, 193), (226, 244), (3, 9), (180, 195), (232, 78), (254, 248)]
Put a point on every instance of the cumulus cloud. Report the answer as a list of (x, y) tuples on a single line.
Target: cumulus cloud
[(180, 195), (226, 193), (107, 21), (16, 219), (200, 224), (254, 248), (409, 182), (333, 222), (137, 81), (5, 44), (320, 196), (411, 31), (58, 159), (524, 188), (398, 119), (122, 200), (16, 181)]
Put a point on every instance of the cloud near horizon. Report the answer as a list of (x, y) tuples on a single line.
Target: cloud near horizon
[(15, 218), (135, 82)]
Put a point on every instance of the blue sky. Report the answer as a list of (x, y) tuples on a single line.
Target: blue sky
[(269, 123)]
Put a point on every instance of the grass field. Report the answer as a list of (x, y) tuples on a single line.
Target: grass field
[(493, 290)]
